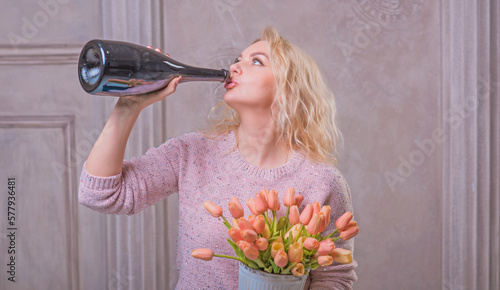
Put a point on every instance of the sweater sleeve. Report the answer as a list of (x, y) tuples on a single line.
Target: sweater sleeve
[(336, 276), (142, 182)]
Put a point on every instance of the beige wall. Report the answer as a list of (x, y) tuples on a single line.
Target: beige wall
[(418, 152)]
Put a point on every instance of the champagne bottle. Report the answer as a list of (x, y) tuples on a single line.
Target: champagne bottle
[(118, 68)]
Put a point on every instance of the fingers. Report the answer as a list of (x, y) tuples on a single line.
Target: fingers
[(158, 50)]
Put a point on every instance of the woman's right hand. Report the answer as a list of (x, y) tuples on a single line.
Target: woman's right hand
[(141, 101)]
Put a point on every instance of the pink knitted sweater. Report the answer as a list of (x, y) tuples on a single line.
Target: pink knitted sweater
[(201, 169)]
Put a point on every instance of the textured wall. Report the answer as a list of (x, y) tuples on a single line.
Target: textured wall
[(381, 59)]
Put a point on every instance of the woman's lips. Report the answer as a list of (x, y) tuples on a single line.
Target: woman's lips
[(231, 84)]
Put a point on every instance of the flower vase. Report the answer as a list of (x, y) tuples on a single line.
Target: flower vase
[(251, 279)]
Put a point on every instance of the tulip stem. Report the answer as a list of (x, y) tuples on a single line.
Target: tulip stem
[(226, 223), (231, 257)]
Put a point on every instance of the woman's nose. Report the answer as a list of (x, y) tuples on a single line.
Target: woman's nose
[(235, 68)]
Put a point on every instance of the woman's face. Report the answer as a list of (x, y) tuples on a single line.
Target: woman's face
[(252, 86)]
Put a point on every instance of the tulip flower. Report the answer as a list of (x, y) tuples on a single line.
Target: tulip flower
[(295, 253), (276, 247), (314, 225), (311, 244), (262, 244), (289, 197), (306, 215), (272, 200), (267, 232), (251, 206), (343, 221), (251, 219), (265, 193), (235, 224), (203, 254), (326, 247), (294, 215), (281, 258), (235, 208), (298, 270), (298, 199), (249, 235), (316, 207), (342, 256), (259, 224), (249, 250), (235, 234), (349, 233), (244, 224), (213, 209), (327, 211), (294, 231), (301, 240), (325, 260), (260, 203)]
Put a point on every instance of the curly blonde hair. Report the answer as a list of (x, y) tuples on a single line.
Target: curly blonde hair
[(306, 119)]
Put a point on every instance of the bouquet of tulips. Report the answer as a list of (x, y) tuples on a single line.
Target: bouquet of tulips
[(292, 244)]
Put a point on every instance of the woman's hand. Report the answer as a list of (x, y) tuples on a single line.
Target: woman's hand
[(141, 101)]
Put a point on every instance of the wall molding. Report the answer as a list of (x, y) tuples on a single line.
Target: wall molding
[(470, 109), (40, 54), (66, 123)]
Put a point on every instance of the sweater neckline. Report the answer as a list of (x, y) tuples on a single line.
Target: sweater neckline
[(241, 164)]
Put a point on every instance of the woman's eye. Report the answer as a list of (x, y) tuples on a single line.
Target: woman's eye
[(257, 62), (236, 60)]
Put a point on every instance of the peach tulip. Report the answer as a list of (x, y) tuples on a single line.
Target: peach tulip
[(289, 197), (342, 256), (272, 200), (306, 215), (235, 234), (235, 224), (213, 209), (294, 215), (349, 233), (235, 208), (262, 244), (298, 199), (298, 270), (311, 243), (267, 232), (251, 206), (326, 247), (281, 258), (265, 193), (244, 224), (249, 250), (260, 203), (259, 224), (301, 240), (251, 219), (343, 221), (249, 235), (314, 225), (203, 254), (295, 253), (276, 247), (294, 231), (325, 260), (327, 211), (316, 207)]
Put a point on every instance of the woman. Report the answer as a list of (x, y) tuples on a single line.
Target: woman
[(276, 131)]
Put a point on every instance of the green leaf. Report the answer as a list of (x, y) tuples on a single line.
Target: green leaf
[(288, 269), (259, 262), (237, 250), (252, 264), (269, 269), (281, 223), (275, 268)]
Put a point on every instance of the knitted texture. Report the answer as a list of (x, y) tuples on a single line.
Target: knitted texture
[(202, 169)]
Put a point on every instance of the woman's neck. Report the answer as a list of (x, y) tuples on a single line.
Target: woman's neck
[(259, 144)]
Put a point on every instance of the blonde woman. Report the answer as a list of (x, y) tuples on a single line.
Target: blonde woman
[(275, 129)]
